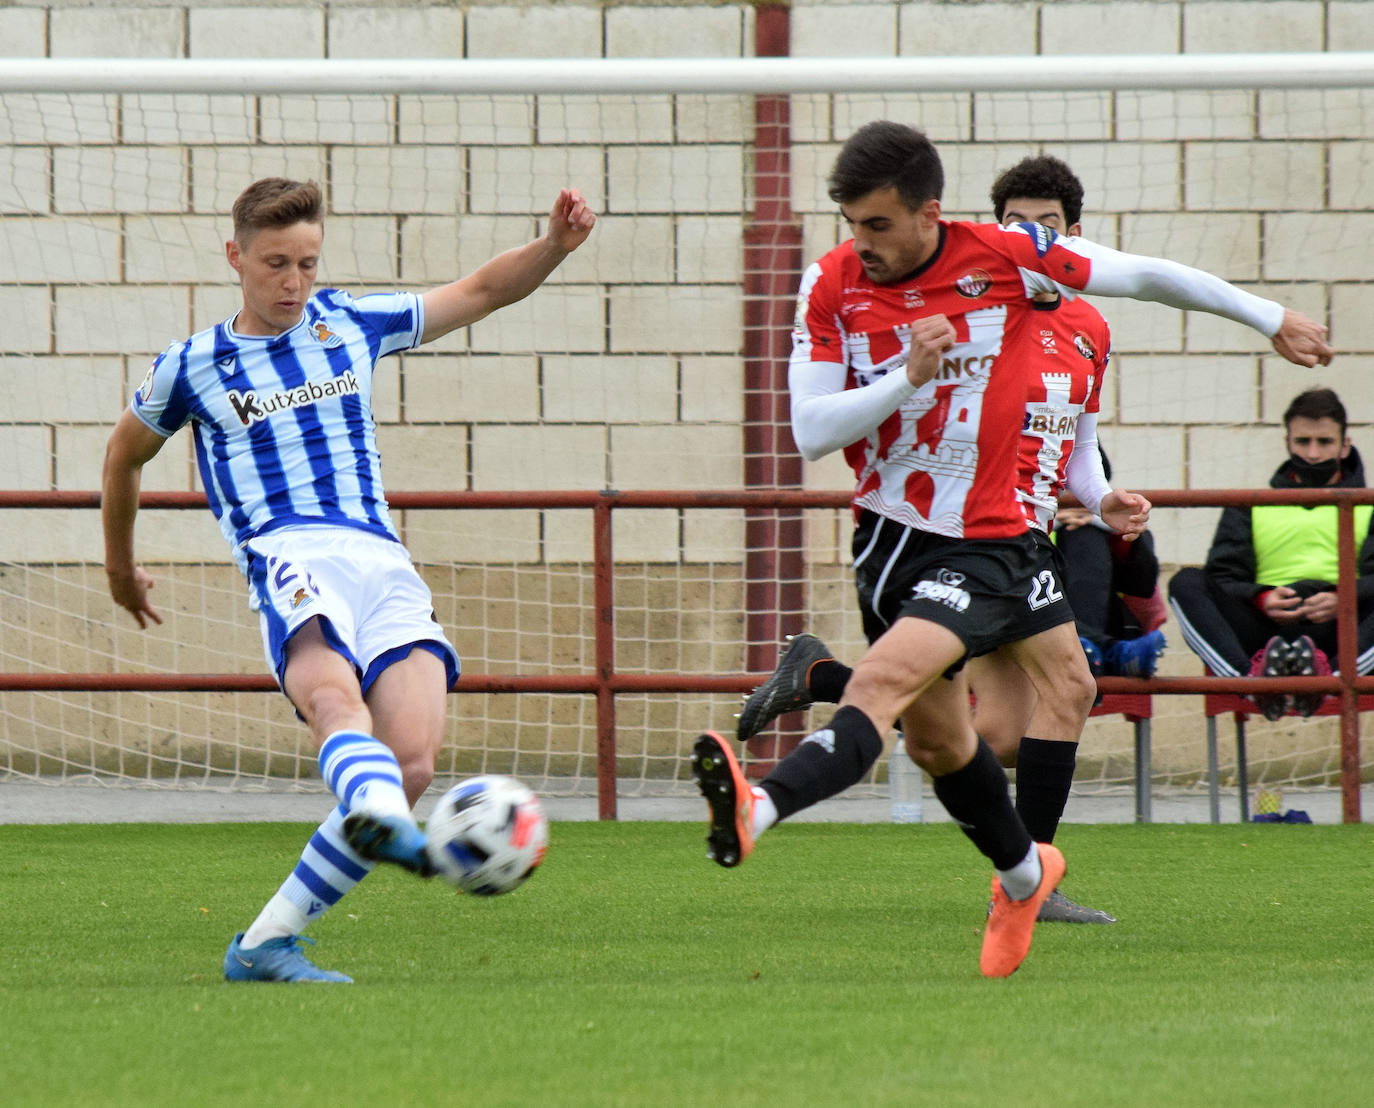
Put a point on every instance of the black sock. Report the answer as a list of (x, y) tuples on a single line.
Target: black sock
[(827, 680), (978, 799), (827, 762), (1044, 775)]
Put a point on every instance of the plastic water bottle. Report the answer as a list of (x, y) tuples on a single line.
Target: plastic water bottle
[(904, 782)]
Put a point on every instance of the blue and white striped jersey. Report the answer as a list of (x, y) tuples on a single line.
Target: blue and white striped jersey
[(283, 424)]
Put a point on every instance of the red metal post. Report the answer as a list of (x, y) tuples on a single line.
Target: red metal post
[(774, 570), (605, 660)]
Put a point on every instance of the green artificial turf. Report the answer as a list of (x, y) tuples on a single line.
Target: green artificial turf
[(837, 966)]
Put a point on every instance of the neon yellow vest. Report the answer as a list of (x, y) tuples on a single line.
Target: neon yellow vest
[(1293, 543)]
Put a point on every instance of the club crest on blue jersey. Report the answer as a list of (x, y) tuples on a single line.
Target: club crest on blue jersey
[(141, 393), (326, 338)]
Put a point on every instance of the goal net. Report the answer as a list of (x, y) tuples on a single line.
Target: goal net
[(653, 359)]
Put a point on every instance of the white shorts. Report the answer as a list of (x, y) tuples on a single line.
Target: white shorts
[(373, 607)]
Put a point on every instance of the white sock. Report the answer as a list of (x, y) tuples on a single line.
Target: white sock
[(1024, 877), (278, 919), (765, 811)]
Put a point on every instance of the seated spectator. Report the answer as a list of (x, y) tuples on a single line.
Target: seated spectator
[(1265, 602), (1113, 587)]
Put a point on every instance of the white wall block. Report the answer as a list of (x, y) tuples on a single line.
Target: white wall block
[(933, 28), (115, 32), (610, 389), (545, 457), (432, 31), (680, 457), (62, 389), (44, 248), (712, 389), (1169, 390), (285, 31), (448, 388), (1259, 26), (135, 320), (674, 31), (1123, 27), (534, 31), (26, 456), (844, 30), (28, 324), (23, 31), (705, 319), (24, 181)]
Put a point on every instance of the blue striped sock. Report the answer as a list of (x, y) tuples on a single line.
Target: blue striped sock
[(328, 868), (363, 773)]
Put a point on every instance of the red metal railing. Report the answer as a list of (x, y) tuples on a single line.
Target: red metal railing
[(605, 683)]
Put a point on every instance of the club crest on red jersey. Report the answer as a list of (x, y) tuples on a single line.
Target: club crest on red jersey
[(1084, 345), (973, 284)]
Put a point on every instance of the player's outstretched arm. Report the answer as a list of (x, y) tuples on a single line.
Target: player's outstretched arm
[(132, 445), (510, 276), (1298, 339), (1301, 340)]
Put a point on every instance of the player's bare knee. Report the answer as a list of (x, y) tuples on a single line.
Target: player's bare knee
[(1002, 742), (328, 708), (417, 774), (1079, 692)]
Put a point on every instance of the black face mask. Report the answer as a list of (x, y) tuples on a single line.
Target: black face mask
[(1313, 475)]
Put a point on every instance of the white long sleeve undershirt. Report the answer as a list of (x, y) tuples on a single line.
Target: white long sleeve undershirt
[(827, 417), (1084, 476)]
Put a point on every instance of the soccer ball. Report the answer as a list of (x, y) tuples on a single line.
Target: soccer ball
[(487, 834)]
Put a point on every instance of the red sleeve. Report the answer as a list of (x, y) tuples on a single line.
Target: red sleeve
[(815, 331), (1037, 248)]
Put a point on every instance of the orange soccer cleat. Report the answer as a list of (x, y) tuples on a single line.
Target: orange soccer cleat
[(1007, 938), (730, 798)]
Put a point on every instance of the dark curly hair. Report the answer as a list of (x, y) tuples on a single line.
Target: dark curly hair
[(883, 155), (1041, 177)]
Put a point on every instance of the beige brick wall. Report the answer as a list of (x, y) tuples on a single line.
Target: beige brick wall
[(627, 369)]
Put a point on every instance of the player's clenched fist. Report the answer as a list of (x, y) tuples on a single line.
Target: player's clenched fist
[(571, 220), (931, 337), (1302, 341)]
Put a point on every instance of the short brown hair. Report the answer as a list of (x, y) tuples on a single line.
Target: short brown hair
[(1316, 403), (884, 154), (276, 202)]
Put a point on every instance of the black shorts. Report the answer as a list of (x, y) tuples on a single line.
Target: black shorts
[(989, 592)]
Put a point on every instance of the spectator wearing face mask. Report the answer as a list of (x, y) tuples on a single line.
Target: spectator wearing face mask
[(1265, 602)]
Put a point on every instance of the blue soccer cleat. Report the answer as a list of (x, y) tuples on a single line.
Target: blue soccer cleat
[(393, 839), (275, 960), (1136, 657)]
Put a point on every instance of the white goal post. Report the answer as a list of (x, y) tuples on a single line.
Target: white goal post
[(652, 360)]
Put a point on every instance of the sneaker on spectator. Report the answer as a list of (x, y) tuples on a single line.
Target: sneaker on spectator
[(1307, 659), (1271, 661), (1093, 654), (1135, 657)]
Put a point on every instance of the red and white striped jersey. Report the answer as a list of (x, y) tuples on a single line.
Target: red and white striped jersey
[(1067, 358), (945, 461)]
